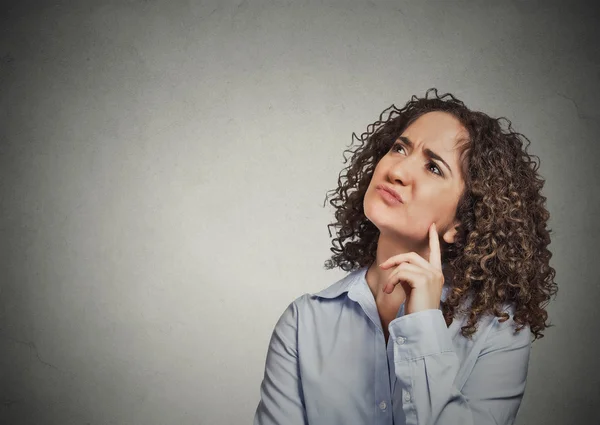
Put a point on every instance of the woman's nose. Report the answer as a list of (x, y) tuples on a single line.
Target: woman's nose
[(404, 170)]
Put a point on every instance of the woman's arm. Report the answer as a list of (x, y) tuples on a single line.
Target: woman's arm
[(426, 368), (281, 399)]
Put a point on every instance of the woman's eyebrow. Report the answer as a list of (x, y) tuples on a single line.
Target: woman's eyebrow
[(428, 152)]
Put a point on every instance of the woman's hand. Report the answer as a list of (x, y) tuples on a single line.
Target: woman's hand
[(422, 280)]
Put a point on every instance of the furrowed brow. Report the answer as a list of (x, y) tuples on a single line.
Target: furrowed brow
[(428, 152)]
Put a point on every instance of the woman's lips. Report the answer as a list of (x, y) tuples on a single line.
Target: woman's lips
[(389, 195)]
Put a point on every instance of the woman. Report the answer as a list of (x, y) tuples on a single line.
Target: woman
[(442, 226)]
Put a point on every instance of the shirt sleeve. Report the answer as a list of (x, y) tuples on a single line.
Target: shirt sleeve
[(281, 398), (426, 367)]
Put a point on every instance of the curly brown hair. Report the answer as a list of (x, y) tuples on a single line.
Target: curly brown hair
[(500, 252)]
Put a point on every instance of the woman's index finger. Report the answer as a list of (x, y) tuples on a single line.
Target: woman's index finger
[(435, 254)]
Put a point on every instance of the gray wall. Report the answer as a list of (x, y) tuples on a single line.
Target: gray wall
[(164, 165)]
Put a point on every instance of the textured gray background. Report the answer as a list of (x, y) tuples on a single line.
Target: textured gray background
[(163, 166)]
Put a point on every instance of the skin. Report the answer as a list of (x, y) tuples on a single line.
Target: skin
[(408, 266)]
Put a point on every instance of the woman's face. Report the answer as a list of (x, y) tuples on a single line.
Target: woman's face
[(429, 189)]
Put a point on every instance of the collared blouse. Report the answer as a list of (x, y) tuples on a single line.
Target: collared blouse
[(328, 364)]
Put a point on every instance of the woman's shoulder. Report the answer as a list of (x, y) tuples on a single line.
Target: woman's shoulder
[(501, 331), (508, 325), (325, 301)]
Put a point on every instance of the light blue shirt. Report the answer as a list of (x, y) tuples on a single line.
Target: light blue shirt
[(328, 364)]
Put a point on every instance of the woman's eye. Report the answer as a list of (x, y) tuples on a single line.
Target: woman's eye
[(432, 164), (396, 146), (436, 167)]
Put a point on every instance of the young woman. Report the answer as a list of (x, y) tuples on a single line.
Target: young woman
[(442, 226)]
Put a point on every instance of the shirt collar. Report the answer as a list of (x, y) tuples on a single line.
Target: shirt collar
[(356, 280), (344, 284)]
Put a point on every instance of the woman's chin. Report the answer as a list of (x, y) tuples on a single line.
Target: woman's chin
[(382, 219)]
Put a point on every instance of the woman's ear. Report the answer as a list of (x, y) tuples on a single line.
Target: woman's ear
[(450, 234)]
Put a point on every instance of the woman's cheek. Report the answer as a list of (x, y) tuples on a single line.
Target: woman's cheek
[(425, 221)]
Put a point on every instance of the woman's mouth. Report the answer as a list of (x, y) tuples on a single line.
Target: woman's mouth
[(389, 195)]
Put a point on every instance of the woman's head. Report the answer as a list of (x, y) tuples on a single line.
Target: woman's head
[(489, 209), (424, 166)]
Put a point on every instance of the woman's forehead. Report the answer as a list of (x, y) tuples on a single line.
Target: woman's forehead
[(436, 129)]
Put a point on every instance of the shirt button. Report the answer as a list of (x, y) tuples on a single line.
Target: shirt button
[(407, 396), (382, 405), (400, 340)]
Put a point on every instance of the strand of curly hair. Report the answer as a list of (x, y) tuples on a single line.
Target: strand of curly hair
[(500, 254)]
